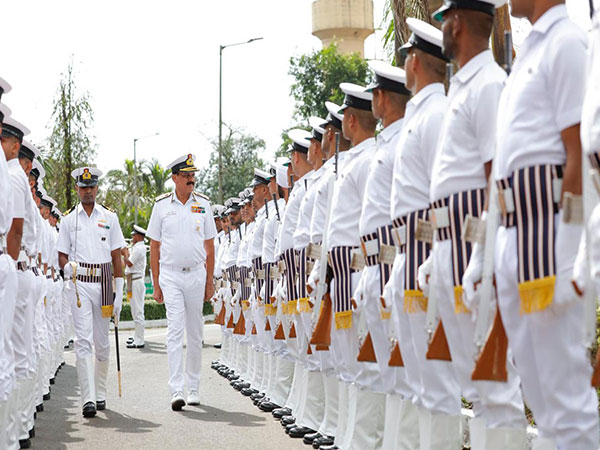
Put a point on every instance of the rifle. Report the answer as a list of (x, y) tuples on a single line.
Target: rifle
[(267, 209), (276, 207), (322, 330), (491, 363)]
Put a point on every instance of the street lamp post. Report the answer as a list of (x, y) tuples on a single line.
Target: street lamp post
[(135, 193), (221, 48)]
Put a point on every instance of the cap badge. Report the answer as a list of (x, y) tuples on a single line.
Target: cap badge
[(86, 175), (190, 160)]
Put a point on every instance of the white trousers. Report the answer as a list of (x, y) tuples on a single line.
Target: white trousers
[(8, 297), (184, 298), (550, 358), (22, 331), (138, 293), (91, 329), (500, 404)]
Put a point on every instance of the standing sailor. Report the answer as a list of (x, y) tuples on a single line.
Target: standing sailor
[(90, 239), (135, 271), (181, 232)]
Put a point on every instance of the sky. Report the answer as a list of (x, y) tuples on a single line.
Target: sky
[(153, 67)]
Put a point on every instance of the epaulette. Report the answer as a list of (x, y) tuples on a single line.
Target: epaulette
[(162, 196), (106, 207), (205, 197)]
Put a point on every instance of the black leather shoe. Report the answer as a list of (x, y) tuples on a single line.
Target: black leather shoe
[(39, 408), (233, 377), (281, 412), (132, 345), (287, 420), (89, 409), (62, 363), (242, 385), (32, 433), (323, 442), (257, 396), (101, 405), (268, 406), (309, 438), (289, 427), (249, 392), (328, 447), (46, 397), (217, 346), (52, 380), (300, 432), (24, 443)]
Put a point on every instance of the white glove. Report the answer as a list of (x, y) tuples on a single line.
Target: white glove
[(473, 275), (118, 305), (313, 278), (68, 270), (387, 297), (423, 273), (358, 295), (261, 294), (568, 237)]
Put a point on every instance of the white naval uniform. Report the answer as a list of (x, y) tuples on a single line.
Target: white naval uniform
[(363, 427), (137, 257), (433, 381), (182, 230), (467, 141), (543, 96)]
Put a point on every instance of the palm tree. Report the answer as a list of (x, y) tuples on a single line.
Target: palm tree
[(156, 178)]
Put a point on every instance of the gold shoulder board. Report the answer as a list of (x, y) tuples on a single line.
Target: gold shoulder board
[(162, 196)]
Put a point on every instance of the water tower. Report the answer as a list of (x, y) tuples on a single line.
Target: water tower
[(346, 22)]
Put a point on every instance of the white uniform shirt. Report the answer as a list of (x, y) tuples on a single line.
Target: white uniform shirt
[(376, 205), (290, 218), (416, 150), (137, 257), (319, 212), (6, 199), (230, 258), (182, 229), (271, 235), (243, 259), (348, 194), (302, 233), (590, 119), (95, 236), (256, 242), (468, 137), (23, 206), (543, 95)]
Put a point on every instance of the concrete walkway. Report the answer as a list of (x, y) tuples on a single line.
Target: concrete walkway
[(142, 417)]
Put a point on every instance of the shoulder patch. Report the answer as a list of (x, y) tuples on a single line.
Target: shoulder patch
[(106, 207), (162, 196), (199, 194)]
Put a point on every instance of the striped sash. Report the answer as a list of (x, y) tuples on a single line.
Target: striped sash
[(339, 260), (289, 257), (102, 274), (385, 270), (416, 253), (302, 278), (533, 216), (459, 205), (245, 290), (257, 265)]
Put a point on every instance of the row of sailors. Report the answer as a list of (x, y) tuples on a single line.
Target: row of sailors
[(35, 322), (348, 300)]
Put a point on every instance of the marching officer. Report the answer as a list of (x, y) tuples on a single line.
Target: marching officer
[(135, 271), (182, 232), (89, 242)]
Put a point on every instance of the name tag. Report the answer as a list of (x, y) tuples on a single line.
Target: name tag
[(197, 209)]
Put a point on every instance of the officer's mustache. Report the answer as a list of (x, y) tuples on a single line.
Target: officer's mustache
[(191, 183)]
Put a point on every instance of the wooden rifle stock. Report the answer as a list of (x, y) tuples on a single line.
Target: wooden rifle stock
[(367, 351), (279, 333), (322, 332), (491, 364), (438, 347), (396, 357), (268, 326), (230, 323), (240, 326), (293, 331), (596, 374), (220, 319), (254, 329)]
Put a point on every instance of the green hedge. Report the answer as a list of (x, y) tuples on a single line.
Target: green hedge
[(155, 311)]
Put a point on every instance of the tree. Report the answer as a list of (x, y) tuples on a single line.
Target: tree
[(240, 156), (70, 144), (317, 76)]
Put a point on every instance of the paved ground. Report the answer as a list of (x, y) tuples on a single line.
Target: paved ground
[(142, 418)]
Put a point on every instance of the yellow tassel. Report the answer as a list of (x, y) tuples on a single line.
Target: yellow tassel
[(245, 305), (536, 295), (304, 305), (44, 301), (414, 301), (459, 305), (343, 320), (270, 310), (291, 307), (385, 315), (107, 311)]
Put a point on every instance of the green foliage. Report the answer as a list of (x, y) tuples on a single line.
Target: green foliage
[(70, 144), (240, 155), (317, 77)]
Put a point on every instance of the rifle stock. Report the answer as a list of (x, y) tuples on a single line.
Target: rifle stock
[(322, 332), (396, 357), (367, 351), (438, 347), (491, 364), (240, 326)]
